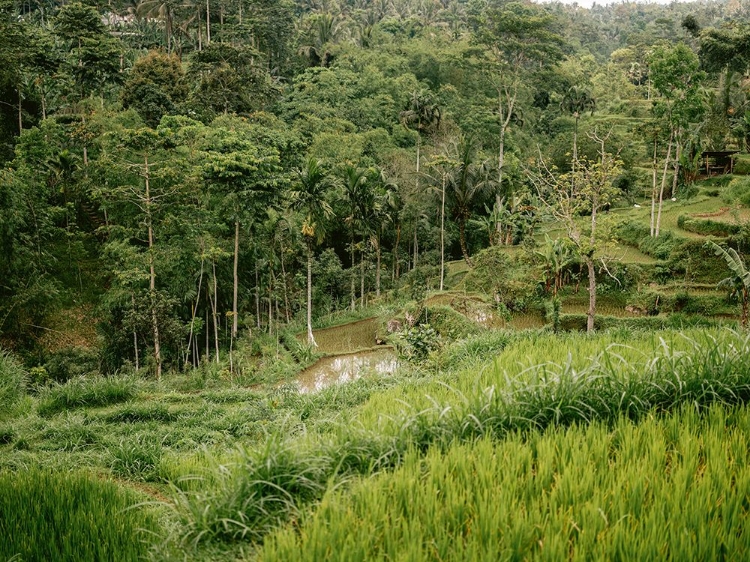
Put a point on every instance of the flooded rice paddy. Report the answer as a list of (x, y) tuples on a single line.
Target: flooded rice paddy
[(340, 369)]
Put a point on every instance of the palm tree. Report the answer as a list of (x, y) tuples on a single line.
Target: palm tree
[(163, 10), (576, 101), (421, 115), (739, 282), (383, 206), (355, 191), (467, 182), (308, 196), (325, 30)]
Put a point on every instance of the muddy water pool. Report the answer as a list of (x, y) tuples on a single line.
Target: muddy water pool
[(340, 369)]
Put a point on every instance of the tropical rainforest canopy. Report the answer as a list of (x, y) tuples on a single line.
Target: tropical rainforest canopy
[(177, 173)]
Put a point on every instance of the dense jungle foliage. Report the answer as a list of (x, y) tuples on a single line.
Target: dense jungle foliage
[(176, 174), (308, 280)]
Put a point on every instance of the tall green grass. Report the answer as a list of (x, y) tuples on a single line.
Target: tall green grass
[(70, 517), (12, 382), (262, 488), (86, 392), (672, 488)]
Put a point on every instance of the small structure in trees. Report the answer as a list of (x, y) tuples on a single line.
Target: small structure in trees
[(718, 162)]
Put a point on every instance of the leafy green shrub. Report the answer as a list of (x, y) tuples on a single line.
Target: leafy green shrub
[(12, 382), (552, 313), (417, 342), (738, 191), (86, 392), (449, 323), (71, 362), (707, 227), (742, 165), (699, 262), (70, 518)]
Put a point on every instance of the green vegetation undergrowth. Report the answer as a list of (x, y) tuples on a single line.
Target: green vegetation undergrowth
[(667, 488), (261, 488), (87, 392), (12, 383), (707, 227), (74, 516)]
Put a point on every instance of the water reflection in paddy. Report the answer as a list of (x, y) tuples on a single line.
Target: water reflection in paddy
[(346, 368)]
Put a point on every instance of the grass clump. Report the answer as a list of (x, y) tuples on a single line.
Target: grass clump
[(141, 412), (70, 517), (136, 457), (672, 488), (87, 392), (738, 191), (12, 382)]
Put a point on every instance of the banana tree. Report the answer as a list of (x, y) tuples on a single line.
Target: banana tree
[(739, 282)]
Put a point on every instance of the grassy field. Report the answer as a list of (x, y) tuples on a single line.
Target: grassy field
[(669, 487), (503, 441), (218, 470)]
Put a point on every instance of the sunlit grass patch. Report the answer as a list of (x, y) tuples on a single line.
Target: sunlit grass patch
[(87, 392), (596, 380), (71, 517), (671, 487)]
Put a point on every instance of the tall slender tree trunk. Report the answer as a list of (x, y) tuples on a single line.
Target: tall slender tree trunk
[(592, 294), (200, 31), (152, 269), (462, 239), (677, 154), (378, 258), (271, 278), (195, 310), (236, 277), (310, 337), (590, 265), (416, 246), (208, 330), (20, 111), (257, 297), (576, 116), (442, 231), (395, 250), (362, 277), (663, 183), (505, 117), (653, 191), (352, 294), (135, 339), (214, 307), (283, 274), (208, 23)]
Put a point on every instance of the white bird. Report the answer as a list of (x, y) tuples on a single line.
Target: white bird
[(637, 206)]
